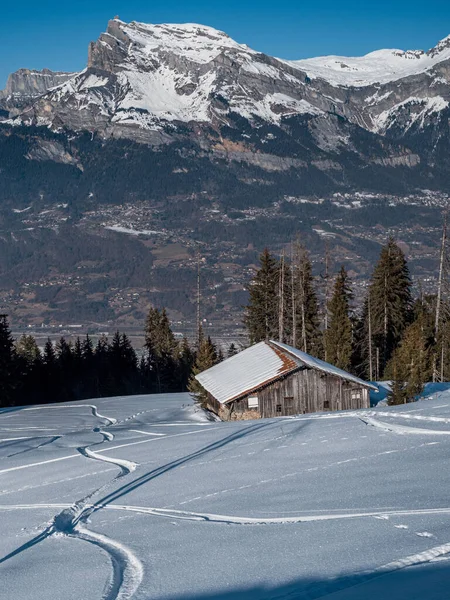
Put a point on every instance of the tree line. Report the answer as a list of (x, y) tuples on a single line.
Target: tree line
[(395, 337), (68, 371)]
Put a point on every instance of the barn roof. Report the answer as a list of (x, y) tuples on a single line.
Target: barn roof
[(258, 366), (321, 365)]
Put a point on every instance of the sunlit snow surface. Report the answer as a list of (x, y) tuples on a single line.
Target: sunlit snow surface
[(381, 66), (142, 497)]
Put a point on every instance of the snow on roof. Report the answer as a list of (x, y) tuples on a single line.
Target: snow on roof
[(259, 365), (246, 371), (321, 365)]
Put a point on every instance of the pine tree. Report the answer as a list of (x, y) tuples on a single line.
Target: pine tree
[(27, 348), (65, 377), (232, 350), (78, 351), (185, 363), (29, 368), (307, 336), (87, 350), (64, 353), (442, 348), (161, 347), (123, 364), (88, 374), (339, 337), (49, 380), (397, 395), (103, 380), (158, 333), (8, 365), (49, 356), (206, 358), (261, 318), (390, 302), (410, 366)]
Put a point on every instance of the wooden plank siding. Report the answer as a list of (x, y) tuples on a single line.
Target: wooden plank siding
[(300, 392)]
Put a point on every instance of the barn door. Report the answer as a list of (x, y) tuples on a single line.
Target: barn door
[(288, 405)]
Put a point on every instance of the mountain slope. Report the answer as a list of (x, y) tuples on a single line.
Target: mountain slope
[(381, 66), (145, 496)]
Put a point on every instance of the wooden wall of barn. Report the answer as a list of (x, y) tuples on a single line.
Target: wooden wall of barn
[(305, 391)]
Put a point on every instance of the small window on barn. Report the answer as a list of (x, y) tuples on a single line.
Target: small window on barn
[(326, 405), (278, 408), (253, 402), (356, 395)]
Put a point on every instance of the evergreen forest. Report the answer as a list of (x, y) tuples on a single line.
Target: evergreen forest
[(395, 336)]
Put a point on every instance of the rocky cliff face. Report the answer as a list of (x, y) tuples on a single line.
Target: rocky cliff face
[(24, 86)]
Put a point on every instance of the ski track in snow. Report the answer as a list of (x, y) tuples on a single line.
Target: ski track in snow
[(109, 420), (70, 456), (244, 520), (401, 429), (127, 571), (429, 419), (126, 466), (49, 440)]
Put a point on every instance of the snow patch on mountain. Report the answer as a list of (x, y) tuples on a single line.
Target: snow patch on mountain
[(381, 66), (198, 43), (160, 92), (273, 107), (93, 81), (412, 110)]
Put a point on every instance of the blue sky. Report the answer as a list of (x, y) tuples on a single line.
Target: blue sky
[(55, 34)]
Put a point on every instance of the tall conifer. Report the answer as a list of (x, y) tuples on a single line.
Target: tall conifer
[(410, 366), (390, 302), (261, 317), (338, 337), (206, 357), (8, 381), (307, 332), (161, 347)]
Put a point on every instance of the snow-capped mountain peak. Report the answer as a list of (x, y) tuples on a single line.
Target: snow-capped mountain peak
[(442, 46), (143, 81), (143, 76), (380, 66), (194, 42)]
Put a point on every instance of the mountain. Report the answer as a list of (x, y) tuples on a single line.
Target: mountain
[(141, 80), (177, 135), (25, 85)]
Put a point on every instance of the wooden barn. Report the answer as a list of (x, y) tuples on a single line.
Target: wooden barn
[(271, 379)]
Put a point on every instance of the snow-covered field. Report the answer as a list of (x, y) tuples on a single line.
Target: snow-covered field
[(142, 497)]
